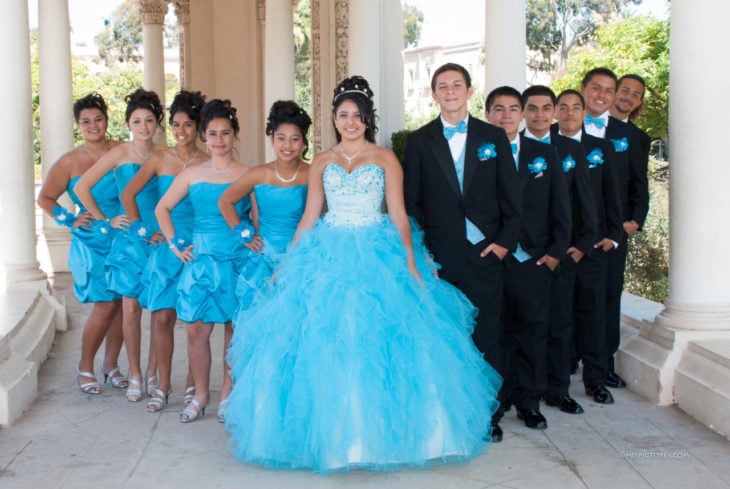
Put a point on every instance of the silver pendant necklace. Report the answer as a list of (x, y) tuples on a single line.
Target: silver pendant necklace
[(187, 162), (349, 159), (286, 180)]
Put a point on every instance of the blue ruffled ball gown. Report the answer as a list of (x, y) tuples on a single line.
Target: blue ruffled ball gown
[(347, 361), (89, 249), (207, 284)]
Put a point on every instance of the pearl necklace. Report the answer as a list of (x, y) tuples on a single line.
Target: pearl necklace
[(349, 159), (287, 180), (144, 157), (185, 163)]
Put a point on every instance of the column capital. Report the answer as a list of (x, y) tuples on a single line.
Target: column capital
[(182, 11), (154, 11)]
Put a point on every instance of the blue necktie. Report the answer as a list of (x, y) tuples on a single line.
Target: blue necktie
[(515, 148), (545, 140), (450, 131), (596, 121)]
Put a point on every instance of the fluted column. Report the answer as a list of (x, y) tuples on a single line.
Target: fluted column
[(182, 12), (18, 261), (379, 58), (153, 20), (278, 56), (56, 110), (699, 271), (505, 44)]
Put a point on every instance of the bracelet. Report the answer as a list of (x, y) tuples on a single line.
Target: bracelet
[(63, 217), (244, 232)]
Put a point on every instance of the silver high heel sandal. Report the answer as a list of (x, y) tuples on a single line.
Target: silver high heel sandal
[(192, 412), (222, 408), (157, 397), (120, 381), (152, 383), (134, 390), (88, 387)]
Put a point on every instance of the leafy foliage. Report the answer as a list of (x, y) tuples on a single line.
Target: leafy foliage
[(554, 27), (412, 25), (121, 39), (640, 45), (303, 55)]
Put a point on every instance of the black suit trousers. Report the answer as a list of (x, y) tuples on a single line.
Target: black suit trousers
[(560, 328), (614, 288), (589, 316)]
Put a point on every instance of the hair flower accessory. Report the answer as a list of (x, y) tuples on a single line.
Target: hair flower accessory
[(63, 216), (620, 145), (568, 164), (102, 227), (244, 232), (486, 151), (137, 229), (537, 166), (595, 158)]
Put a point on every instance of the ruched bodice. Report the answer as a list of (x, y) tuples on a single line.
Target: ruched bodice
[(280, 209), (147, 197), (104, 192), (182, 213), (353, 199), (207, 217)]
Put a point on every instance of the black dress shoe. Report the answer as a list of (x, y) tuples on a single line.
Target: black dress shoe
[(614, 381), (496, 433), (600, 394), (565, 403), (533, 418)]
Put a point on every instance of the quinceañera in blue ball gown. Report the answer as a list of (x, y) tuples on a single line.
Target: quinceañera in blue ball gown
[(347, 361)]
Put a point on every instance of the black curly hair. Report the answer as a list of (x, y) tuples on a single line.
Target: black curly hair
[(217, 109), (357, 89), (144, 99), (90, 101), (191, 103), (288, 112)]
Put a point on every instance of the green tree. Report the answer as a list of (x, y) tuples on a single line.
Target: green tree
[(640, 45), (412, 25), (554, 27), (121, 39), (303, 55)]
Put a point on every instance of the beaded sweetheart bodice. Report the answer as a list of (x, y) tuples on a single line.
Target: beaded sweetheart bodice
[(353, 199)]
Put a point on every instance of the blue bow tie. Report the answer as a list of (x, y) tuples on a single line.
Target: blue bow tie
[(450, 131), (596, 121), (515, 148)]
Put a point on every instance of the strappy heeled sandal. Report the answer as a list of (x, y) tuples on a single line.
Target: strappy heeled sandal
[(152, 383), (157, 398), (89, 387), (134, 390), (222, 408), (192, 412), (120, 381), (189, 395)]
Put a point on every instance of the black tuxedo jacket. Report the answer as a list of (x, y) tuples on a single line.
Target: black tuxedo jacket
[(545, 201), (577, 181), (631, 164), (491, 196), (600, 156)]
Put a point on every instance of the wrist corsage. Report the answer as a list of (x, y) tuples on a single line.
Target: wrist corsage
[(63, 216), (244, 232), (179, 242), (138, 230)]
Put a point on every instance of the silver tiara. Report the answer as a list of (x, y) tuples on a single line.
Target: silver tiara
[(355, 90)]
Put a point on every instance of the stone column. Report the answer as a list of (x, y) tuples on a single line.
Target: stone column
[(56, 111), (182, 12), (505, 44), (683, 356), (18, 261), (379, 58), (278, 56), (153, 19)]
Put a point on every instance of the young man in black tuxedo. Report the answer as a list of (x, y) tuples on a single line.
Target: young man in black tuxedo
[(627, 104), (539, 113), (461, 187), (598, 89), (543, 241), (589, 299)]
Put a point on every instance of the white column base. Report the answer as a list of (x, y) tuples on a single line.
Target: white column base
[(667, 365), (52, 250), (30, 316)]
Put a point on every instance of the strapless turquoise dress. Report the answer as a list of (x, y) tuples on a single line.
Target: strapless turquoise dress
[(346, 361), (163, 268), (207, 284), (279, 209), (128, 256), (89, 250)]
